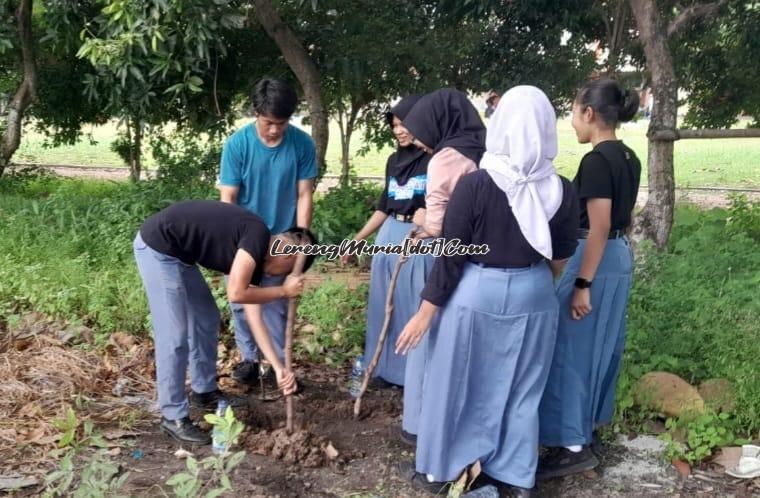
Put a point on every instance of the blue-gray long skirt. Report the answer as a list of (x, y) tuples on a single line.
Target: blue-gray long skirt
[(491, 349), (406, 299), (580, 393)]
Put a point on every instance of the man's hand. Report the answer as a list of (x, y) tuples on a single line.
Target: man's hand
[(286, 381), (293, 286), (580, 306)]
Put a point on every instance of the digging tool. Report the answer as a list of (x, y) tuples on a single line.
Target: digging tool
[(265, 396), (384, 331), (292, 305)]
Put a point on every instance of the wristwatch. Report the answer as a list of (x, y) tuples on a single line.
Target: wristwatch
[(582, 283)]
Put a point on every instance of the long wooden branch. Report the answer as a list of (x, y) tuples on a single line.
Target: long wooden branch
[(289, 325), (672, 135), (384, 330), (693, 14)]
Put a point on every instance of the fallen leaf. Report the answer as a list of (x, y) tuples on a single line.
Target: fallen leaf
[(330, 451), (182, 454), (122, 340), (8, 435), (682, 467), (16, 482), (729, 457), (115, 451), (112, 434)]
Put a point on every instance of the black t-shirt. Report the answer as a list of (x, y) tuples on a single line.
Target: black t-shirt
[(610, 171), (479, 213), (404, 199), (208, 233)]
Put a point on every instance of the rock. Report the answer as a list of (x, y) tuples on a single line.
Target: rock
[(718, 394), (668, 393)]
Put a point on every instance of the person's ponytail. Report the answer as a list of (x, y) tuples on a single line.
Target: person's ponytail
[(629, 106), (609, 101)]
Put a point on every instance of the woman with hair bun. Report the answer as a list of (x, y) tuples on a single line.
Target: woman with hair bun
[(593, 291)]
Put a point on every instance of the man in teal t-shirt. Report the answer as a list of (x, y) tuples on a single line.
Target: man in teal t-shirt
[(269, 168)]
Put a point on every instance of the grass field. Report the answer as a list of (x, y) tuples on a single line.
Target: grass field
[(728, 162)]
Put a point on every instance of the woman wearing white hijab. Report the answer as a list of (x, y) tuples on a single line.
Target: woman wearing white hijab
[(492, 341)]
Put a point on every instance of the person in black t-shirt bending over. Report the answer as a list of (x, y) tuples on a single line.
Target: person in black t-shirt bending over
[(168, 249), (593, 291)]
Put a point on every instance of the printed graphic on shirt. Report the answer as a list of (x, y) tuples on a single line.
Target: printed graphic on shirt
[(414, 186)]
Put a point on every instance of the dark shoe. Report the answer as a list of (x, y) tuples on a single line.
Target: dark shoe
[(210, 400), (484, 481), (246, 372), (516, 491), (185, 431), (487, 491), (560, 462), (408, 438), (409, 474)]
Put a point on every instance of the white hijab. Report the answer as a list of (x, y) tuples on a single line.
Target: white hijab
[(520, 144)]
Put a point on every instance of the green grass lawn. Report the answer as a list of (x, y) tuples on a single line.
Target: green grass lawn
[(728, 162)]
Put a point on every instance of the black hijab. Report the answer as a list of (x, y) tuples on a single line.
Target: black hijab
[(406, 160), (447, 118)]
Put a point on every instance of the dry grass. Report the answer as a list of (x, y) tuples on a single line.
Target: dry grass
[(43, 376)]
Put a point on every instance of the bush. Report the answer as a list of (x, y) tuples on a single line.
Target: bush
[(694, 311), (336, 318), (185, 159), (66, 248), (343, 211)]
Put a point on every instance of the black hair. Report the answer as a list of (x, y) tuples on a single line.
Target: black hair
[(609, 101), (305, 236), (274, 97)]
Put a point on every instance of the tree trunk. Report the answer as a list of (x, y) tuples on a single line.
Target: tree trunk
[(26, 93), (305, 70), (345, 140), (135, 152), (656, 219), (134, 141)]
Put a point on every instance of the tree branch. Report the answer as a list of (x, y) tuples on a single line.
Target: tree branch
[(693, 14)]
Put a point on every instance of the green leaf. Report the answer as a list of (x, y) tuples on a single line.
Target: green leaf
[(225, 481), (192, 465), (66, 439), (177, 479), (234, 460), (216, 492), (136, 73)]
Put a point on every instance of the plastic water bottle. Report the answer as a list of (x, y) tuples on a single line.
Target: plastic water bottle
[(357, 377), (217, 445)]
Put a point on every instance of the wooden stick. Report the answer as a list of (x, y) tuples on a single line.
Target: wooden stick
[(384, 330), (292, 305)]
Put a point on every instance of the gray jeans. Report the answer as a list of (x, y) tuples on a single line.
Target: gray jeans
[(185, 327)]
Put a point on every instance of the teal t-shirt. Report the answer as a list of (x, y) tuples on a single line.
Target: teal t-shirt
[(268, 176)]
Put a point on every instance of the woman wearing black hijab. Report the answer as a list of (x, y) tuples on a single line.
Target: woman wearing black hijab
[(446, 125), (404, 194)]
